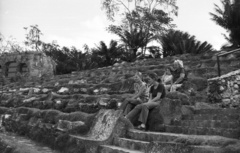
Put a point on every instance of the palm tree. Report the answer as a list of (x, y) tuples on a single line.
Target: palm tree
[(134, 39), (178, 42), (106, 56), (229, 19)]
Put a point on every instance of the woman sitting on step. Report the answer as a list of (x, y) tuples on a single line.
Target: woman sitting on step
[(178, 76), (141, 94), (156, 93)]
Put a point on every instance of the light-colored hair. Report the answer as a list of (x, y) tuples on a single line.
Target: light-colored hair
[(138, 76), (179, 62)]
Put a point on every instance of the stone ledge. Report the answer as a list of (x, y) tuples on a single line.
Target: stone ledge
[(225, 75)]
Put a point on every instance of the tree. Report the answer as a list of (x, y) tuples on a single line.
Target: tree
[(229, 19), (147, 14), (178, 42), (134, 40), (33, 34), (107, 55), (145, 17), (9, 45), (119, 8)]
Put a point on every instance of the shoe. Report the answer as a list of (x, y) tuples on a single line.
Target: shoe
[(141, 127)]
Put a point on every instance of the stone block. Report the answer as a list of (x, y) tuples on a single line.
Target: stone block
[(64, 125), (183, 98), (33, 121), (169, 147), (184, 129), (224, 124), (231, 133), (217, 123), (200, 131), (185, 123), (169, 110)]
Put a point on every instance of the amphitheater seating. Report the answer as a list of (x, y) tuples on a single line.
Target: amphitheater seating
[(66, 107)]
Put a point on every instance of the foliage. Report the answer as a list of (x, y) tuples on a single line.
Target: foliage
[(9, 45), (68, 59), (178, 42), (136, 39), (107, 56), (229, 19), (139, 18), (154, 21), (118, 8), (33, 34), (155, 51)]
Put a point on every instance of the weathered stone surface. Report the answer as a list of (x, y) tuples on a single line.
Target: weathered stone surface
[(183, 98), (225, 90), (198, 83), (12, 143), (92, 90), (187, 110), (202, 105), (28, 65), (64, 125), (164, 147), (104, 125), (169, 110)]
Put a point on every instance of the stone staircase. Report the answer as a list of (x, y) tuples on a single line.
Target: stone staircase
[(223, 122), (207, 131), (62, 109)]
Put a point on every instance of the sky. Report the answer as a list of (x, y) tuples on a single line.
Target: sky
[(79, 22)]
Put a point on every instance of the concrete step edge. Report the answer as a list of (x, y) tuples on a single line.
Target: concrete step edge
[(120, 149), (168, 137)]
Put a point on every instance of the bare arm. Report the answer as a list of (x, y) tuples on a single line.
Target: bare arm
[(150, 97), (159, 94), (138, 94), (182, 75)]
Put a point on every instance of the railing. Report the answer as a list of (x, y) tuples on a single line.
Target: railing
[(223, 54)]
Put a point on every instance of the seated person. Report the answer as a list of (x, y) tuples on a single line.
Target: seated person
[(140, 96), (178, 76), (156, 93), (167, 77)]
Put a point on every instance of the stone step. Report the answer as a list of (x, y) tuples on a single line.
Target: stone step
[(172, 147), (10, 142), (206, 149), (226, 124), (234, 116), (226, 111), (151, 136), (212, 140), (115, 149), (226, 132), (131, 144)]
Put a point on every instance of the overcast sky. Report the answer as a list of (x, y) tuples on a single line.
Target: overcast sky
[(78, 22)]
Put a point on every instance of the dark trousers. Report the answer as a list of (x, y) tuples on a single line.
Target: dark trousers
[(142, 110), (129, 104)]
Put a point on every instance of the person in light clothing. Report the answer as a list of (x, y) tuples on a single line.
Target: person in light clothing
[(178, 76)]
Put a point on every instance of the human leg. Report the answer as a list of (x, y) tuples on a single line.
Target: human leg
[(134, 112), (129, 104), (145, 111), (175, 87)]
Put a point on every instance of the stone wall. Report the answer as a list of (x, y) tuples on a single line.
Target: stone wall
[(26, 64), (225, 89)]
